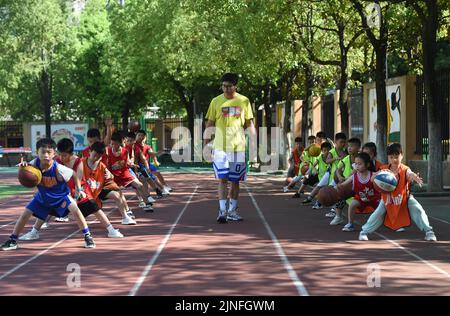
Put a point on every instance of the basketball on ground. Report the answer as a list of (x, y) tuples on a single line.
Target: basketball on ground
[(385, 181), (328, 196), (345, 191), (29, 176)]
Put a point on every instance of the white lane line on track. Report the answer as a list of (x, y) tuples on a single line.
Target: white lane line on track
[(163, 243), (17, 267), (287, 265)]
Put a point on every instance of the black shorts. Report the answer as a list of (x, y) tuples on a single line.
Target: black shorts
[(103, 194), (86, 208), (312, 180), (89, 207)]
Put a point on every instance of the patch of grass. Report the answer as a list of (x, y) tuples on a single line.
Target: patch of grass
[(7, 190)]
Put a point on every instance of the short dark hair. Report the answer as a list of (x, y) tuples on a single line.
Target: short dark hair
[(65, 145), (230, 77), (98, 147), (141, 131), (394, 149), (298, 139), (93, 132), (311, 137), (340, 136), (372, 146), (117, 136), (131, 135), (45, 142), (321, 135), (355, 141), (325, 145)]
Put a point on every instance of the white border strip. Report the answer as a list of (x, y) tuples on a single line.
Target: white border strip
[(293, 275), (163, 243)]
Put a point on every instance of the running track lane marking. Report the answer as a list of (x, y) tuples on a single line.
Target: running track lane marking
[(163, 243), (7, 224), (294, 277), (44, 251), (415, 256), (438, 219), (411, 253)]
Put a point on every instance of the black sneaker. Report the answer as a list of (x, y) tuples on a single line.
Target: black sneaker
[(307, 200), (296, 195), (89, 241), (148, 208), (10, 245)]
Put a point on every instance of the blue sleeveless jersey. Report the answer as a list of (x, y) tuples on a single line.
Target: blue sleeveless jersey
[(51, 190)]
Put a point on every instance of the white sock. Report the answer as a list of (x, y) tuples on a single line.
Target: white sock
[(223, 205), (34, 230), (233, 205), (110, 228)]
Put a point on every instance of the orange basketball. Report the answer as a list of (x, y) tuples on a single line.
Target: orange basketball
[(29, 176), (328, 196), (346, 191), (314, 150)]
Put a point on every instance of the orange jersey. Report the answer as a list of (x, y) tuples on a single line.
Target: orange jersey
[(95, 178), (396, 202)]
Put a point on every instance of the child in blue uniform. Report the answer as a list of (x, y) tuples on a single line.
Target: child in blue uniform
[(53, 194)]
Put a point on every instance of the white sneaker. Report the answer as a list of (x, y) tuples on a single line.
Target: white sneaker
[(337, 220), (45, 225), (363, 236), (317, 206), (348, 228), (128, 221), (331, 213), (130, 214), (151, 200), (62, 219), (233, 216), (400, 230), (430, 236), (115, 234), (165, 192), (142, 204), (168, 189), (222, 217), (31, 235), (285, 189)]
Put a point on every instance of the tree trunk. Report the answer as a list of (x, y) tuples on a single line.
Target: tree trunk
[(343, 93), (307, 103), (287, 132), (125, 116), (45, 90), (429, 31), (380, 78)]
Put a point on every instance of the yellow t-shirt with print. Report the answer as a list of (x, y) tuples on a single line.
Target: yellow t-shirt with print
[(229, 116)]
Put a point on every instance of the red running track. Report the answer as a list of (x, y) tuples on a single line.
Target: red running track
[(281, 248)]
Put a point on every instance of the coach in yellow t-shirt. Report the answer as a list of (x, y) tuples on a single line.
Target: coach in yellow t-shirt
[(230, 113)]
